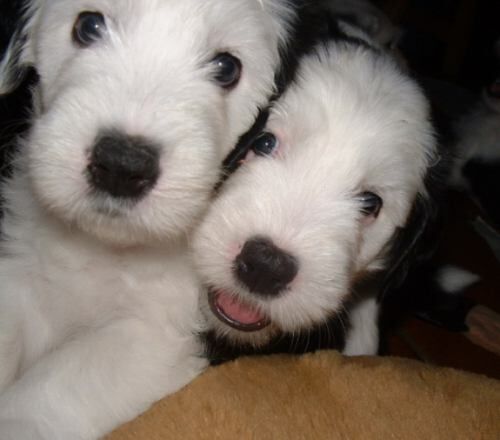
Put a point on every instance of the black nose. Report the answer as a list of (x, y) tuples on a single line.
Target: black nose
[(123, 166), (264, 268)]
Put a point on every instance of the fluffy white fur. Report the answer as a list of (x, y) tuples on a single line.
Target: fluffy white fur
[(351, 123), (363, 337), (98, 302)]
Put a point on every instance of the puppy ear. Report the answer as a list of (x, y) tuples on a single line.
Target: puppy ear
[(19, 55), (412, 243)]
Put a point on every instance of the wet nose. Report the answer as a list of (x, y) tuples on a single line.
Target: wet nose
[(123, 166), (264, 268)]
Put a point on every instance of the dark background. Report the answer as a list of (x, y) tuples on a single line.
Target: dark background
[(451, 40)]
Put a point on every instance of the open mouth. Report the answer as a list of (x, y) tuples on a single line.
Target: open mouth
[(232, 311)]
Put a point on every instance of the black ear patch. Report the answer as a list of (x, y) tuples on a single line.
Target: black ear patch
[(416, 242), (13, 37), (407, 245)]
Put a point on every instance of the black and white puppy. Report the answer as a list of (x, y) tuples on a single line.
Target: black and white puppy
[(325, 211), (136, 106)]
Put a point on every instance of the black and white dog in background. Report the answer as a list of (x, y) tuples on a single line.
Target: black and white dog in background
[(477, 168), (326, 210), (137, 104)]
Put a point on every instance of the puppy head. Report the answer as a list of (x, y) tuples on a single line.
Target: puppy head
[(138, 103), (337, 170)]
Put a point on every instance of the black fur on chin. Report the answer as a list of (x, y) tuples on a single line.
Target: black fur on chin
[(328, 335)]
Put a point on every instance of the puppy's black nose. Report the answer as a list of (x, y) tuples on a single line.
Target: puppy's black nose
[(264, 268), (123, 166)]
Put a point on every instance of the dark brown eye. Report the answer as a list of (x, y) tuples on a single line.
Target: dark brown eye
[(370, 203), (265, 144), (227, 70), (89, 27)]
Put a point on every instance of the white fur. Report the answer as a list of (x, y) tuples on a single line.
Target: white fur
[(351, 123), (453, 279), (99, 303), (363, 338)]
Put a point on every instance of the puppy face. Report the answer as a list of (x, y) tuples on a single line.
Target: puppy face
[(336, 173), (139, 102)]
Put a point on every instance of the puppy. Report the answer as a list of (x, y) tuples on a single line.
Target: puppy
[(324, 213), (136, 106)]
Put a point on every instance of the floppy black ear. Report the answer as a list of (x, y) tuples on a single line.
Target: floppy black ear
[(17, 56), (412, 244)]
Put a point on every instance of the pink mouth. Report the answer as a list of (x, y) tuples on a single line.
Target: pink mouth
[(232, 311)]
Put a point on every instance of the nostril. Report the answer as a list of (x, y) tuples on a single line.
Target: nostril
[(264, 268), (96, 168), (244, 267)]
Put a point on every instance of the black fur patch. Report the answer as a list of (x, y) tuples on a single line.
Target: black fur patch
[(16, 106), (10, 20), (325, 336)]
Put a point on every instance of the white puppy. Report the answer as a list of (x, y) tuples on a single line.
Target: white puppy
[(138, 103), (294, 250)]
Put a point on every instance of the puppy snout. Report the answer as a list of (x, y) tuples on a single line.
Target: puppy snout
[(264, 268), (123, 166)]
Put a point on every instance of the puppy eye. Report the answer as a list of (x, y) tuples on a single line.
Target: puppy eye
[(265, 144), (88, 28), (370, 203), (227, 70)]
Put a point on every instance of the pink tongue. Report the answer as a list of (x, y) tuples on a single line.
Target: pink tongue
[(237, 310)]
